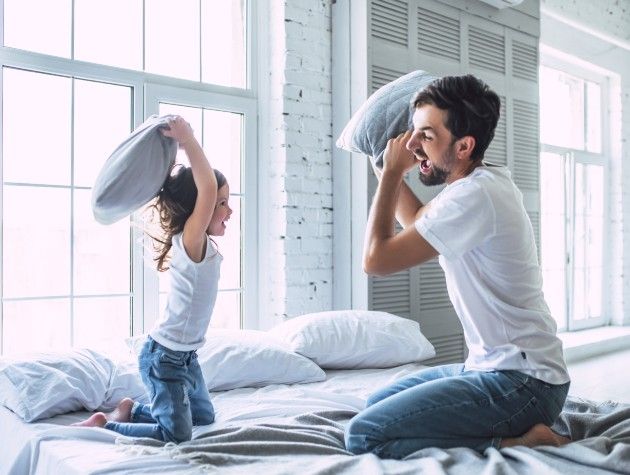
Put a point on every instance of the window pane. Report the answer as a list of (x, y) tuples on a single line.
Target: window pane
[(561, 109), (101, 321), (589, 222), (223, 142), (101, 253), (102, 120), (593, 117), (172, 38), (35, 325), (38, 25), (30, 102), (96, 41), (223, 43), (36, 241), (227, 311), (553, 248)]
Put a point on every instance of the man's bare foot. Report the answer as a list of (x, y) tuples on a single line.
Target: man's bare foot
[(540, 434), (122, 413), (97, 419)]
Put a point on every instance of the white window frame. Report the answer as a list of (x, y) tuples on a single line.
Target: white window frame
[(147, 87), (247, 106), (571, 156)]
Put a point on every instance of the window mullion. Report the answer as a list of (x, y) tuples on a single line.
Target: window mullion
[(569, 236)]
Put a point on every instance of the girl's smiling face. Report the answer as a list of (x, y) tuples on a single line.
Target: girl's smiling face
[(222, 212)]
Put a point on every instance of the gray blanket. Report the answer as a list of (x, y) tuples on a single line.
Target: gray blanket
[(313, 444)]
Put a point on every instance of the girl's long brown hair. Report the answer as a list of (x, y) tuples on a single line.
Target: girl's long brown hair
[(172, 207)]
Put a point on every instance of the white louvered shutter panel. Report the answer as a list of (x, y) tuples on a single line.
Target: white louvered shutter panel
[(496, 153), (448, 349), (382, 76), (525, 127), (525, 60), (438, 34), (432, 292), (389, 21), (486, 50)]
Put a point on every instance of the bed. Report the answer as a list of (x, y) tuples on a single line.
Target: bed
[(276, 427)]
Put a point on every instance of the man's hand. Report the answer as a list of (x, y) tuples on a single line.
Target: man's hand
[(397, 158)]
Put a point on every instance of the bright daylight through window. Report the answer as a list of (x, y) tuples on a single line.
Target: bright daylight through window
[(573, 170), (73, 88)]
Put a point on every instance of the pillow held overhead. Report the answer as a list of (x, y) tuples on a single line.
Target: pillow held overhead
[(386, 114), (135, 172)]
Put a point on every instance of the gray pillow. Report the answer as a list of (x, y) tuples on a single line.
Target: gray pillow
[(386, 114), (135, 172)]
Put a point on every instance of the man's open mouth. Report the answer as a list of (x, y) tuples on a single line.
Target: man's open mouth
[(425, 165)]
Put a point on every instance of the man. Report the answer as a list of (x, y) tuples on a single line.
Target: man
[(514, 383)]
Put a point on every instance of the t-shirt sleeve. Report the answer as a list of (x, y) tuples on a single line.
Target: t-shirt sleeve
[(458, 220)]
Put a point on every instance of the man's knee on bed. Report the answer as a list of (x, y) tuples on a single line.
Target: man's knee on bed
[(362, 435)]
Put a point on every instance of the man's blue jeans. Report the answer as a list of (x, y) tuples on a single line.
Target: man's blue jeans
[(446, 406), (177, 392)]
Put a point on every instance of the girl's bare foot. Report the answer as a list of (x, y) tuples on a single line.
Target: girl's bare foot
[(540, 434), (122, 413), (97, 419)]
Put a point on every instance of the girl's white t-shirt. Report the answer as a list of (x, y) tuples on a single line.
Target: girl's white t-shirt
[(193, 292), (484, 236)]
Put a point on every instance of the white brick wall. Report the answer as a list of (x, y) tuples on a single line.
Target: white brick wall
[(297, 263)]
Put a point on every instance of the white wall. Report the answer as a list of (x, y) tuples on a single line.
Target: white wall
[(599, 33), (295, 129)]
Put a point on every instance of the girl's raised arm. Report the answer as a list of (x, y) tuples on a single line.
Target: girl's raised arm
[(194, 237)]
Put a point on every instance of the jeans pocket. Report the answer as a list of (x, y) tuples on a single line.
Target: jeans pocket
[(170, 357), (519, 379), (523, 418), (551, 398)]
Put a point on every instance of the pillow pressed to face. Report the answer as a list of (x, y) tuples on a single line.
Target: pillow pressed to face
[(387, 113), (352, 339), (135, 172), (232, 359)]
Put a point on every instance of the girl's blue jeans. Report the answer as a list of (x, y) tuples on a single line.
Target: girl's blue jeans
[(446, 406), (177, 392)]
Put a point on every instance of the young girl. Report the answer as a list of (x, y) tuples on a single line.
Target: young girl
[(192, 206)]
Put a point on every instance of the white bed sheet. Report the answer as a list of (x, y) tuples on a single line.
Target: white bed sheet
[(53, 447)]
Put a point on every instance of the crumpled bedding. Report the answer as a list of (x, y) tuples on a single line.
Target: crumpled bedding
[(313, 443)]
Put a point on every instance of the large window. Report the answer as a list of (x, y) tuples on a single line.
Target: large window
[(76, 78), (573, 168)]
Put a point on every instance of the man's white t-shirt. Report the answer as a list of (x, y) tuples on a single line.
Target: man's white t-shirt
[(480, 227), (190, 302)]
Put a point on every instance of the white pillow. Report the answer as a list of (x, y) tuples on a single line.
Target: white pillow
[(351, 339), (43, 385), (248, 358)]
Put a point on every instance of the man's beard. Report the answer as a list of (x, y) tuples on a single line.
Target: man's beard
[(437, 176)]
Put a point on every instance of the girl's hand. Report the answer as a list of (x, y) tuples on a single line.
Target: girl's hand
[(179, 129), (397, 158)]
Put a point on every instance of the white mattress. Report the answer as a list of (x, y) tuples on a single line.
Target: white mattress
[(53, 447)]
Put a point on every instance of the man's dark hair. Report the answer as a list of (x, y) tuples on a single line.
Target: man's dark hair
[(472, 108)]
